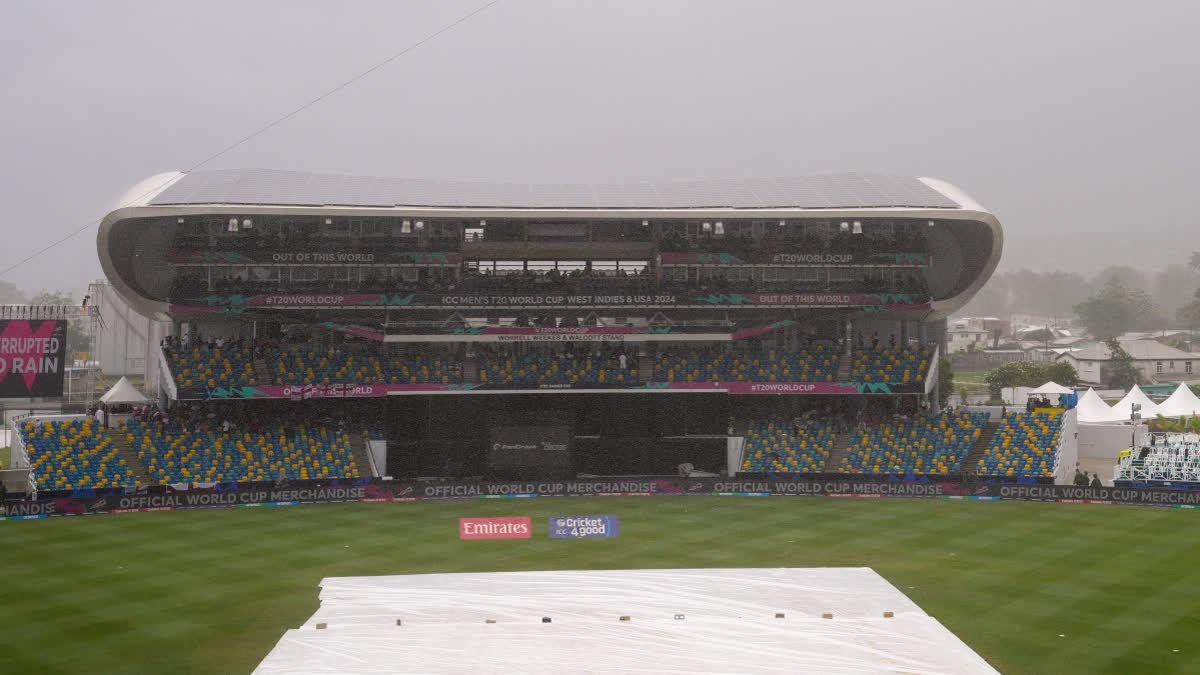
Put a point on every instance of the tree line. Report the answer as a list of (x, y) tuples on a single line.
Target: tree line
[(1116, 300)]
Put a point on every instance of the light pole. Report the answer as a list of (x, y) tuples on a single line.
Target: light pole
[(1135, 416)]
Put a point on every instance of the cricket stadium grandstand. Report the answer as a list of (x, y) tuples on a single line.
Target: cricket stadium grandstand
[(352, 339), (474, 330)]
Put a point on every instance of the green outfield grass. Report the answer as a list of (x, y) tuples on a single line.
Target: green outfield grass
[(971, 379), (212, 591)]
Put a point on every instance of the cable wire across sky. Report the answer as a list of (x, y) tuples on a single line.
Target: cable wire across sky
[(263, 129)]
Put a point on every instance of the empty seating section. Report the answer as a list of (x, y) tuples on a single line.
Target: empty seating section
[(891, 365), (212, 367), (303, 366), (776, 445), (927, 444), (67, 455), (538, 369), (818, 363), (300, 452), (1023, 446)]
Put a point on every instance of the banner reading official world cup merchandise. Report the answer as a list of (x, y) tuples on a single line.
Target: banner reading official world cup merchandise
[(310, 391), (32, 358), (214, 495)]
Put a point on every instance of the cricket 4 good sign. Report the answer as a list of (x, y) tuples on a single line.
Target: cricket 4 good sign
[(495, 528), (583, 527)]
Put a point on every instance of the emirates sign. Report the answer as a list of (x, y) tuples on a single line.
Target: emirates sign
[(495, 528)]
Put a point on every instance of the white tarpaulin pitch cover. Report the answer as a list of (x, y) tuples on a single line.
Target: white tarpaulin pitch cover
[(680, 621)]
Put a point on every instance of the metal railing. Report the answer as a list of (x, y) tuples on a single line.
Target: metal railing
[(18, 453)]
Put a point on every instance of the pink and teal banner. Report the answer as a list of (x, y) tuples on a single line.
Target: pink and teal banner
[(700, 259), (889, 300), (237, 303), (782, 387), (308, 391), (313, 258)]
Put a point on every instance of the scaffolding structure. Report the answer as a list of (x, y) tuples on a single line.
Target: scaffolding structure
[(90, 323), (1173, 458)]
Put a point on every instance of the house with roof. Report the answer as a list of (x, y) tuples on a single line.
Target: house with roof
[(964, 338), (1156, 362)]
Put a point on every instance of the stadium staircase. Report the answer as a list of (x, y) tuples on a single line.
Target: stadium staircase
[(358, 450), (470, 370), (262, 373), (981, 445), (645, 367), (838, 452), (843, 371), (127, 453)]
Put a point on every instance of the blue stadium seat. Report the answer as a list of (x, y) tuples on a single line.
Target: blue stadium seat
[(67, 455), (1023, 446), (922, 445), (301, 452)]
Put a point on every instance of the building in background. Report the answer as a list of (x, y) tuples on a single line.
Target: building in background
[(1155, 361)]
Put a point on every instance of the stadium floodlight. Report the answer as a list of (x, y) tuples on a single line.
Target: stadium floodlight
[(719, 228), (179, 220), (482, 223), (420, 224), (329, 221), (406, 227), (645, 223), (707, 227), (857, 227), (782, 223), (845, 226), (931, 223), (233, 224), (247, 224)]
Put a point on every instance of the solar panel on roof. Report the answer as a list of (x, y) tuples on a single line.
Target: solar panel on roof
[(274, 187)]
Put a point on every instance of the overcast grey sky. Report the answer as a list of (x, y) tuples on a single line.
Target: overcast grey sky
[(1075, 122)]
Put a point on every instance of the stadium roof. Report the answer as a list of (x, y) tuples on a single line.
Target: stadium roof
[(270, 187)]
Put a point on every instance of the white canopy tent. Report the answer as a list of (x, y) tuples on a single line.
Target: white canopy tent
[(1136, 395), (1181, 403), (1052, 388), (123, 392), (1092, 409)]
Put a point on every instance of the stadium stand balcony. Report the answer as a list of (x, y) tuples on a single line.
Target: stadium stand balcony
[(922, 445), (818, 363), (1023, 446), (779, 445), (212, 367), (301, 366), (68, 455), (302, 452), (906, 238), (891, 365), (538, 369)]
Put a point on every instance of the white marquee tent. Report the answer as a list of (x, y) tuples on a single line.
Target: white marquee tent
[(123, 392), (1092, 409), (1136, 395), (1181, 403), (1053, 389)]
